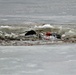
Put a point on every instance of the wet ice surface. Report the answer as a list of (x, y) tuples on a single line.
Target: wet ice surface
[(38, 60), (43, 11)]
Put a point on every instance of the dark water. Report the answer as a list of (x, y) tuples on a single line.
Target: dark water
[(41, 11), (38, 60)]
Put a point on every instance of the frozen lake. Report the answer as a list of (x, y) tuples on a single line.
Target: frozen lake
[(41, 11), (38, 60)]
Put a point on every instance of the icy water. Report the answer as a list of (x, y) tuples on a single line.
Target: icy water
[(38, 60), (41, 11)]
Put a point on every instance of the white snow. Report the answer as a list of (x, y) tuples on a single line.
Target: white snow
[(38, 60)]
